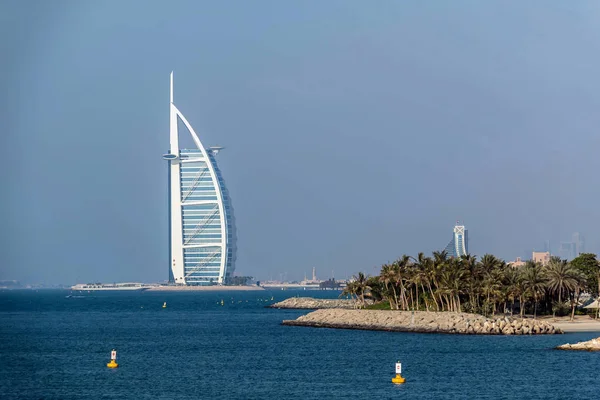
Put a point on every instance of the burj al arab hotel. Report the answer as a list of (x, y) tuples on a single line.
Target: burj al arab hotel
[(202, 238)]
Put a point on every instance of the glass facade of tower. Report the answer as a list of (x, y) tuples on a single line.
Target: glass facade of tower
[(459, 245), (202, 237), (203, 225)]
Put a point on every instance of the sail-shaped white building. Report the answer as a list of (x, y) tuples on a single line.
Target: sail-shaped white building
[(459, 245), (202, 237)]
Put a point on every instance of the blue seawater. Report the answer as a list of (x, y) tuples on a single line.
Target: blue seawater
[(54, 347)]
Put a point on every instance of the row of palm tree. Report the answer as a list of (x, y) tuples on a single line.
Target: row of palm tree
[(468, 284)]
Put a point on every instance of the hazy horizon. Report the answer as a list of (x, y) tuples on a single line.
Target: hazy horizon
[(354, 132)]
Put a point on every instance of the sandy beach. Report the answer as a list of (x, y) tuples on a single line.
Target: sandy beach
[(214, 288), (581, 323)]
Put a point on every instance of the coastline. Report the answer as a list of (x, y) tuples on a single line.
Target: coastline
[(581, 323), (564, 324), (215, 288), (423, 322)]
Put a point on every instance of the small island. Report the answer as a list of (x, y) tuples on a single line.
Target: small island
[(462, 295), (590, 345)]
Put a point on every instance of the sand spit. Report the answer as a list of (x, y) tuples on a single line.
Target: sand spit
[(579, 325), (421, 321)]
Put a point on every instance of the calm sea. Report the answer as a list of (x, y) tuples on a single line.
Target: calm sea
[(54, 347)]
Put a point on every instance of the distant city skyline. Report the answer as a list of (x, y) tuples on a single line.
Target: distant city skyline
[(564, 249)]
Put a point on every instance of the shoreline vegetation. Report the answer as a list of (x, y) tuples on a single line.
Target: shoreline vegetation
[(486, 286), (465, 295)]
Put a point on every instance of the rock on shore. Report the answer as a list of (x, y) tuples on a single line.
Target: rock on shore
[(310, 303), (590, 345), (421, 321)]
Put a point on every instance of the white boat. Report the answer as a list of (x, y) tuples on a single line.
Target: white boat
[(110, 286)]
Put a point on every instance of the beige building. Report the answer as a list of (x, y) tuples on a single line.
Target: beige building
[(517, 263), (542, 257)]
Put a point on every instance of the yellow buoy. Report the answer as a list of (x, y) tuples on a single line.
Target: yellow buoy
[(398, 378), (113, 360)]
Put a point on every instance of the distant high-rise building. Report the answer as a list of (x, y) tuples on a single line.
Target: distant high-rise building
[(578, 243), (547, 246), (202, 238), (570, 250), (459, 245), (566, 250)]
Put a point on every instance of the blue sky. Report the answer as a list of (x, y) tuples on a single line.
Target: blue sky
[(355, 131)]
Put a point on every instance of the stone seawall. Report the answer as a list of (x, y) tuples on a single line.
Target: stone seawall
[(309, 303), (421, 321)]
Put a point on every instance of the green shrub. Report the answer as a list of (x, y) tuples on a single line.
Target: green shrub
[(561, 309), (382, 305)]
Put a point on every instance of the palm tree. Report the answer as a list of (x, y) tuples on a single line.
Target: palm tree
[(490, 263), (511, 285), (534, 281), (376, 290), (419, 276), (387, 276), (521, 291), (562, 277), (473, 277), (440, 261), (426, 269), (362, 286), (451, 283), (401, 267), (492, 288), (430, 271), (350, 290), (580, 282)]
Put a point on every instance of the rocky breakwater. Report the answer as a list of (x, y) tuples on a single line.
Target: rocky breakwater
[(421, 321), (590, 345), (310, 303)]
